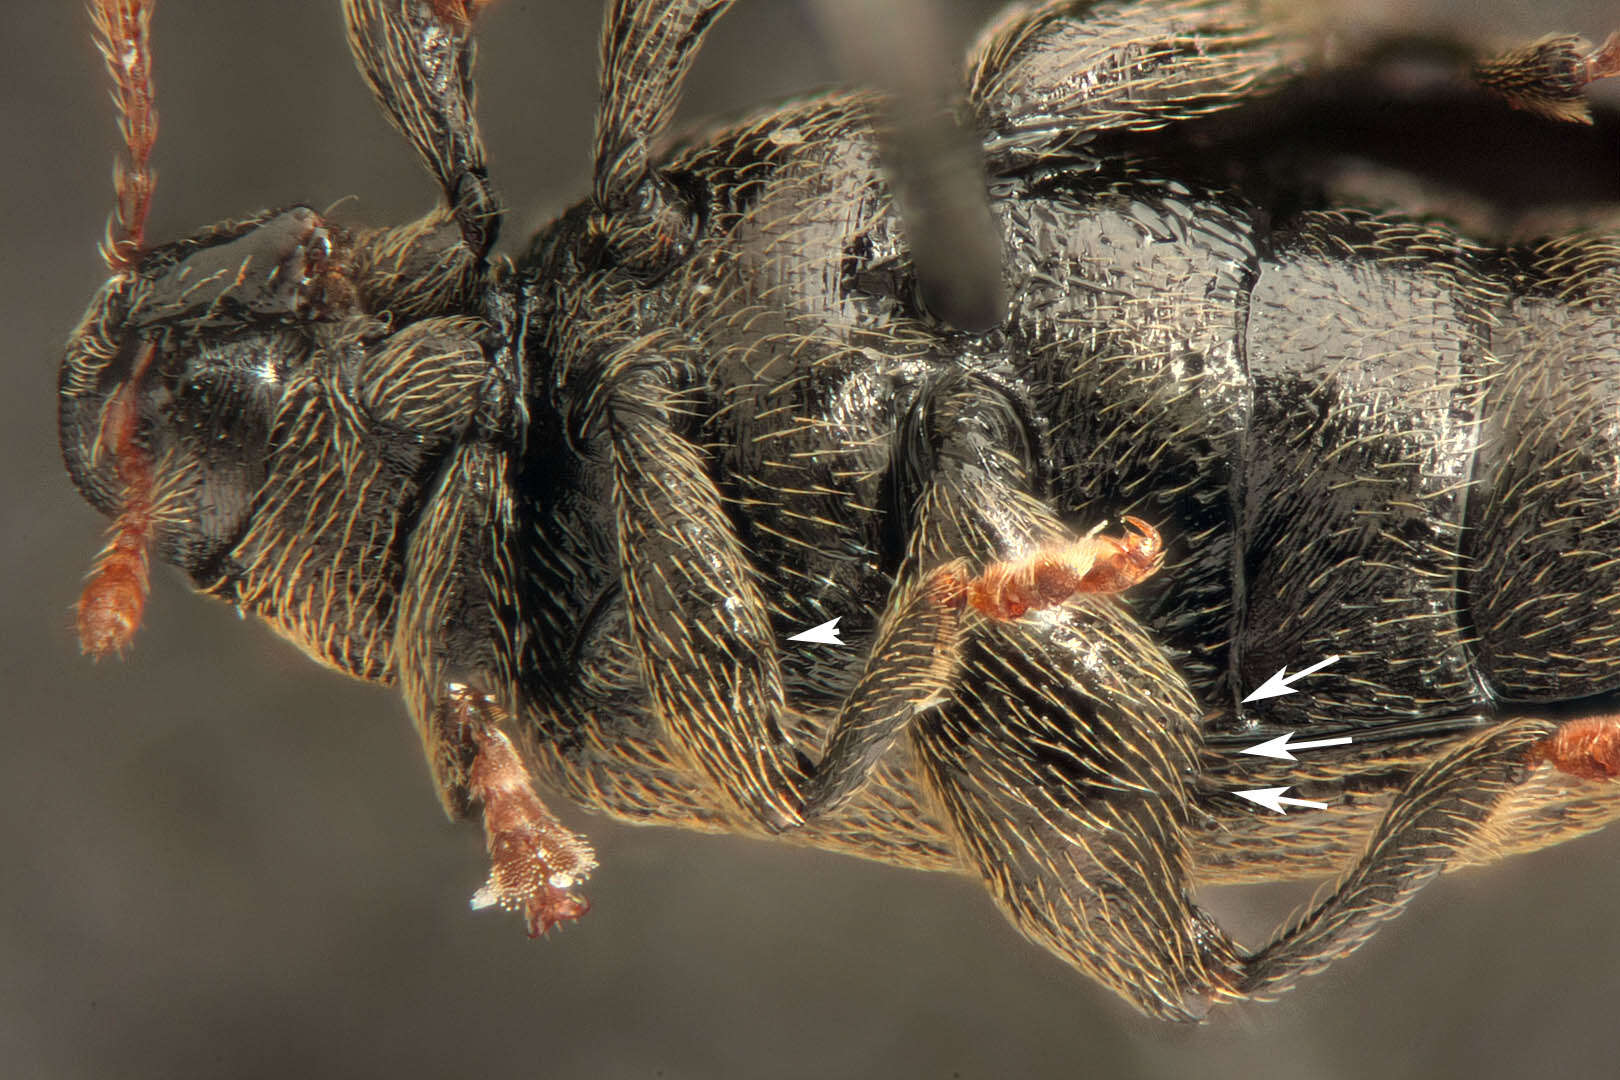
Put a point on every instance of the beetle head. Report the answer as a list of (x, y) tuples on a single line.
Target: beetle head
[(180, 367)]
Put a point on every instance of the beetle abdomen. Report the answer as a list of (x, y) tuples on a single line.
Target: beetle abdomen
[(1362, 436)]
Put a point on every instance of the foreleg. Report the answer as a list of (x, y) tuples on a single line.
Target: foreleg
[(647, 48), (697, 617), (454, 656)]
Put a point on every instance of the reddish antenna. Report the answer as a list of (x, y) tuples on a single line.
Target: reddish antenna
[(123, 36), (114, 597)]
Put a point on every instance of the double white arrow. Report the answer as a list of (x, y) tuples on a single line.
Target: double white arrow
[(1272, 798)]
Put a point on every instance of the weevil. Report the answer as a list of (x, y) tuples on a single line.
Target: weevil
[(574, 502)]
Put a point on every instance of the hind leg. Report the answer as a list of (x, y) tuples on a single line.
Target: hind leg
[(1432, 824), (1061, 756)]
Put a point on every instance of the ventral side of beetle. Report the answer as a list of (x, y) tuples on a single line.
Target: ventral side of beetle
[(1159, 381)]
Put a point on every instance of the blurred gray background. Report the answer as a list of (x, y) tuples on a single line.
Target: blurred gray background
[(223, 861)]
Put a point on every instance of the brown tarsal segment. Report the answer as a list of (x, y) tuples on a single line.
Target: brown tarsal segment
[(534, 859), (947, 589), (1049, 576), (1588, 748)]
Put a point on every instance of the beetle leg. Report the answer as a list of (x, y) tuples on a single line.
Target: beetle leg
[(417, 58), (914, 659), (911, 666), (696, 614), (647, 48), (1550, 76), (451, 649), (1435, 820), (1060, 758), (534, 859), (1049, 76)]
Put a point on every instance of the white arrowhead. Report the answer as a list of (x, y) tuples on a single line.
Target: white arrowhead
[(825, 634), (1272, 798)]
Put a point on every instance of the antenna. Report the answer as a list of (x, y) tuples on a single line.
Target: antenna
[(114, 596), (122, 34)]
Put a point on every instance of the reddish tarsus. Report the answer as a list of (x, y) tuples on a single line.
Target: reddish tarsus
[(1588, 748), (1052, 574)]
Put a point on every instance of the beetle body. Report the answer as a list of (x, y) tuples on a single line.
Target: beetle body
[(585, 496)]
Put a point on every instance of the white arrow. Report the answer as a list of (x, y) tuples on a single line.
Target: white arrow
[(1272, 798), (825, 634), (1279, 748), (1277, 685)]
